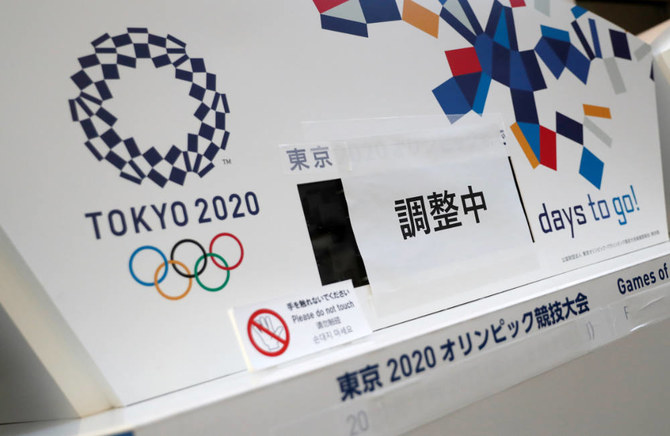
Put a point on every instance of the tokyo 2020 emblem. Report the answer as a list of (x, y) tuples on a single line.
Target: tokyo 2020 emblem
[(111, 54)]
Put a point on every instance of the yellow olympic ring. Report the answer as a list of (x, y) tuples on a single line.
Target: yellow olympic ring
[(190, 280)]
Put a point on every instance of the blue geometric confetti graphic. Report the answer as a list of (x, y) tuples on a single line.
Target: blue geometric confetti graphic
[(494, 56), (111, 55)]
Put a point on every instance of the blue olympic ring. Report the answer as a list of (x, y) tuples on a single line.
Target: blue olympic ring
[(132, 257)]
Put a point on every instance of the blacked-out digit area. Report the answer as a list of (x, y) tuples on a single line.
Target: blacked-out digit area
[(327, 217)]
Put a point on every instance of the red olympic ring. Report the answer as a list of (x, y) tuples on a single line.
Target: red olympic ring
[(211, 250)]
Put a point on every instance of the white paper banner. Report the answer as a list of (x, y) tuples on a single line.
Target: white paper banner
[(425, 205)]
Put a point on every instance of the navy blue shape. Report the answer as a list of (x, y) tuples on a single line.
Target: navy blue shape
[(176, 40), (172, 155), (198, 65), (582, 40), (594, 36), (197, 92), (484, 49), (201, 112), (99, 40), (88, 61), (561, 48), (224, 102), (198, 161), (110, 71), (525, 110), (111, 138), (176, 50), (548, 56), (103, 90), (73, 110), (451, 98), (105, 50), (180, 61), (115, 160), (578, 64), (81, 79), (533, 70), (178, 176), (571, 129), (620, 44), (192, 142), (501, 65), (469, 84), (511, 29), (161, 61), (494, 19), (211, 151), (183, 75), (344, 26), (90, 98), (130, 178), (138, 30), (92, 149), (152, 156), (379, 11), (224, 141), (126, 61), (206, 131), (211, 82), (122, 40), (137, 169), (142, 51), (220, 121), (89, 128), (84, 106), (157, 178), (591, 168), (157, 40), (131, 147), (187, 161), (105, 116), (205, 170)]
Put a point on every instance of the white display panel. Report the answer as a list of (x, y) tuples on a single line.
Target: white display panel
[(262, 71)]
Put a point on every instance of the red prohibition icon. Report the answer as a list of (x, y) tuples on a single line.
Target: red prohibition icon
[(268, 332)]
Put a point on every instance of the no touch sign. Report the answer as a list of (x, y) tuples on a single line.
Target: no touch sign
[(268, 332), (273, 332)]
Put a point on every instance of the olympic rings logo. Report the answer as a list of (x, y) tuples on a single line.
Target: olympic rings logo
[(181, 269)]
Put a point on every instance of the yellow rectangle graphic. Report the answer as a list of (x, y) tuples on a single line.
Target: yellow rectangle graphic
[(597, 111)]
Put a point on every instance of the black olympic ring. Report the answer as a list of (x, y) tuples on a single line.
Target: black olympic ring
[(174, 265)]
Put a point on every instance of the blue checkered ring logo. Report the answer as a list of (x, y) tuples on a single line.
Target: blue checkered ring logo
[(111, 55)]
